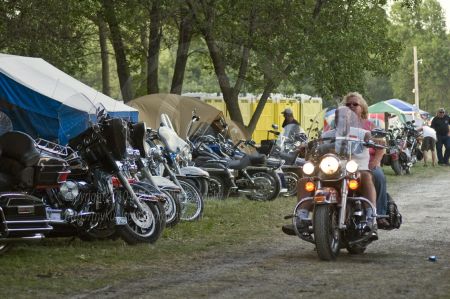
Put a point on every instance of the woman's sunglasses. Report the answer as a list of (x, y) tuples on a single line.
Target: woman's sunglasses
[(352, 104)]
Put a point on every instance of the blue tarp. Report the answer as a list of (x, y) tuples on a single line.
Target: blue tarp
[(44, 102)]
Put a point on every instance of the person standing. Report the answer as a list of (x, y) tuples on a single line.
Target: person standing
[(428, 144), (289, 117), (440, 124)]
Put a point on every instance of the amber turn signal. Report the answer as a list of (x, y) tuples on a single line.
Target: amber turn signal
[(353, 184), (309, 186)]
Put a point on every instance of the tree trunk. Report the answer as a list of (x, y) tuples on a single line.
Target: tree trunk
[(153, 49), (103, 38), (230, 97), (184, 39), (123, 70), (268, 88)]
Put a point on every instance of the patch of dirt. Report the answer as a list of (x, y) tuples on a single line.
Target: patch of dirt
[(287, 267)]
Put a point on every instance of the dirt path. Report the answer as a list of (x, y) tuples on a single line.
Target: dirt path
[(396, 265)]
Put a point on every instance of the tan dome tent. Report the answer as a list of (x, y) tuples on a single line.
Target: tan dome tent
[(179, 109)]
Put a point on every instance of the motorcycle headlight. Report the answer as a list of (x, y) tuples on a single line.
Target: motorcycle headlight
[(351, 166), (329, 165), (308, 168)]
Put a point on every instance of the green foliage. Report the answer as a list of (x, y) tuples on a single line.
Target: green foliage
[(425, 29), (57, 31)]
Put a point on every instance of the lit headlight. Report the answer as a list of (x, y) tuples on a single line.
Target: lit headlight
[(351, 166), (329, 165), (308, 168)]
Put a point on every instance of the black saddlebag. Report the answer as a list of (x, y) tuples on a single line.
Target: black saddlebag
[(22, 215)]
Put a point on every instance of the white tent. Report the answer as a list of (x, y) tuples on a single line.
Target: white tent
[(32, 91)]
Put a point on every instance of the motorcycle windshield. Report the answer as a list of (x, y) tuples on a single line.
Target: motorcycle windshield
[(76, 114), (346, 139), (291, 133), (171, 140)]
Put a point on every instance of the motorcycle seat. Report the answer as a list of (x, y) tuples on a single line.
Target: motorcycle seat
[(6, 181), (20, 147), (257, 159), (239, 164), (289, 158)]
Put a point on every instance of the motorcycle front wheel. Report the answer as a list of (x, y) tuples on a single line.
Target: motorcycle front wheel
[(291, 182), (144, 226), (217, 188), (397, 167), (326, 231), (191, 202), (267, 186), (172, 205)]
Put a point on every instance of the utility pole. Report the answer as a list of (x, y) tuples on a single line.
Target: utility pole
[(416, 78)]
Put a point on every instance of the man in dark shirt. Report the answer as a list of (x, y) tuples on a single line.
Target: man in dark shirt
[(289, 117), (440, 124)]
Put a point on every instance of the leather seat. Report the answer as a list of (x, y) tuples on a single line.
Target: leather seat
[(257, 159), (18, 156), (6, 181), (20, 147), (239, 164), (289, 158)]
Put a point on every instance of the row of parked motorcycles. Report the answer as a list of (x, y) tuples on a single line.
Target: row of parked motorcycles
[(403, 149), (117, 179)]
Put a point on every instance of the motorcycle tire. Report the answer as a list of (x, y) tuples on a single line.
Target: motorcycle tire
[(397, 167), (142, 226), (172, 205), (218, 187), (201, 184), (326, 231), (291, 182), (268, 186), (192, 204)]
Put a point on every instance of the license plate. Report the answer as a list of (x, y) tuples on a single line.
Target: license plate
[(121, 220)]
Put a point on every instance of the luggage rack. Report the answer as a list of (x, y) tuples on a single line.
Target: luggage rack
[(54, 148)]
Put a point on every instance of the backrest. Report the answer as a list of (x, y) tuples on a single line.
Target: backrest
[(20, 147)]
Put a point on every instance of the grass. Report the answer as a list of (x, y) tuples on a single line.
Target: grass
[(58, 267)]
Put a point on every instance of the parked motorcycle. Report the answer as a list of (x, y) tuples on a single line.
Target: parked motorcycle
[(403, 148), (339, 215), (23, 171), (252, 176), (138, 168), (98, 201), (174, 148), (288, 145)]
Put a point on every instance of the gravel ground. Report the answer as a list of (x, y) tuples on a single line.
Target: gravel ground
[(396, 265)]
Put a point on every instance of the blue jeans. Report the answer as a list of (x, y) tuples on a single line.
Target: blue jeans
[(443, 141), (379, 180)]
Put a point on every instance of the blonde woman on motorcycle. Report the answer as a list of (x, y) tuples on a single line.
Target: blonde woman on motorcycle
[(356, 103)]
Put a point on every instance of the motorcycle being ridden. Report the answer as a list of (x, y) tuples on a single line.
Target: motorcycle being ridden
[(335, 189)]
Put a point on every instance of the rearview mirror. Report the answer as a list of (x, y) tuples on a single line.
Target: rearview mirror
[(275, 126)]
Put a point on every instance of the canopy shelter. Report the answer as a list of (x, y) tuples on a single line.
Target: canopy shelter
[(34, 92), (179, 109), (405, 111)]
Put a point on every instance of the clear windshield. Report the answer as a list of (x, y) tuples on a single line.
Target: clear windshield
[(171, 140), (346, 139), (290, 134), (76, 114)]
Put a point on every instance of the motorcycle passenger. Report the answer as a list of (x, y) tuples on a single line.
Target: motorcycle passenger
[(355, 102)]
